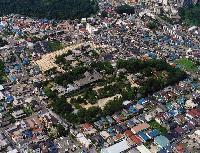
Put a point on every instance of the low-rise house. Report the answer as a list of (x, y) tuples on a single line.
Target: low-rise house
[(105, 135), (89, 78), (83, 140), (88, 128), (18, 114), (140, 127), (117, 148), (161, 141), (143, 149)]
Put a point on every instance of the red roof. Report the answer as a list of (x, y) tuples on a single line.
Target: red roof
[(128, 133), (87, 126), (135, 139), (180, 148), (191, 113), (196, 112)]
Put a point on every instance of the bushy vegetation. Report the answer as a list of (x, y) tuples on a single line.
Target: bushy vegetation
[(160, 73), (3, 42), (152, 25), (53, 9), (191, 15), (2, 74), (156, 125), (54, 45), (154, 75), (125, 9)]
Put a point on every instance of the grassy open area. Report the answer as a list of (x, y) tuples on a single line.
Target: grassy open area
[(156, 125), (187, 64)]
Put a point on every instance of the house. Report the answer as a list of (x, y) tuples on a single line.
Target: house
[(154, 133), (89, 78), (117, 148), (161, 141), (162, 117), (18, 114), (179, 130), (193, 113), (127, 103), (130, 123), (179, 148), (148, 117), (1, 96), (87, 127), (1, 87), (110, 120), (140, 127), (105, 135), (139, 107), (136, 140), (190, 104), (128, 133), (143, 136), (97, 140), (143, 149), (83, 140)]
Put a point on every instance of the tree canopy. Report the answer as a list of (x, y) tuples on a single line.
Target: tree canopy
[(125, 9), (3, 42), (53, 9), (190, 15)]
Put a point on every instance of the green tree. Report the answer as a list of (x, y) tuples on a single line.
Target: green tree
[(125, 9)]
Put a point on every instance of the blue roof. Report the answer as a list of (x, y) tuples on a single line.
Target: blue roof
[(173, 112), (110, 129), (132, 109), (181, 100), (25, 61), (9, 98), (7, 70), (13, 78), (162, 141), (28, 133), (153, 133), (143, 136), (131, 122), (109, 119), (142, 101)]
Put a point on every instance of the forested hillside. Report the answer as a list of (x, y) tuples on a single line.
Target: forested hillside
[(191, 15), (52, 9)]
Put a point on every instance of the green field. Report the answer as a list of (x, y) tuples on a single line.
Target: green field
[(187, 64)]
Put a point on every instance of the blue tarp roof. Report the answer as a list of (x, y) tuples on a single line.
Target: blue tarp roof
[(9, 98), (162, 141), (153, 133), (143, 136), (142, 101), (7, 70), (13, 78), (28, 133)]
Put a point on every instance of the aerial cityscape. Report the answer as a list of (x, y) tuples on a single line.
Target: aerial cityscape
[(99, 76)]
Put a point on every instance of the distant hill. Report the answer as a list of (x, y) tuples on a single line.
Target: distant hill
[(52, 9)]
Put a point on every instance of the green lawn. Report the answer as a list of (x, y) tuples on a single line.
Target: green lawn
[(187, 64), (156, 125)]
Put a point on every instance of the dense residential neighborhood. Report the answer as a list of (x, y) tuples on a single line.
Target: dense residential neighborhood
[(123, 80)]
